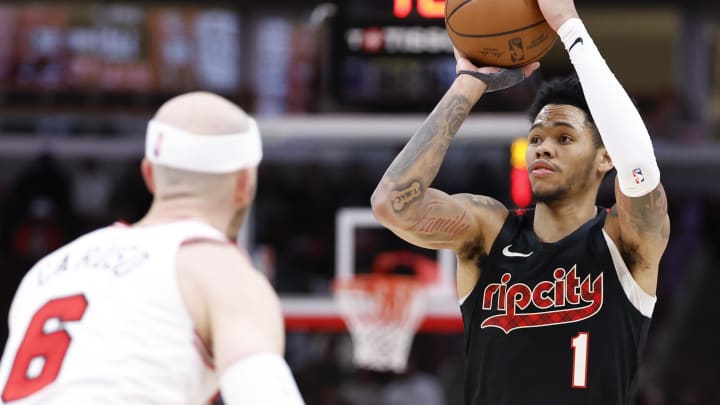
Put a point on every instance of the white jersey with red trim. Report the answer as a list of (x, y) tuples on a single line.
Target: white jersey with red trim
[(101, 321)]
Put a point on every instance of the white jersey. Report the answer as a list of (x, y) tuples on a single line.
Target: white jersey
[(101, 321)]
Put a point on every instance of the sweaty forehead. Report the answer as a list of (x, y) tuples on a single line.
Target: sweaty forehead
[(553, 113)]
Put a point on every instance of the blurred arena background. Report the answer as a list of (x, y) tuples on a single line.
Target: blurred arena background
[(338, 88)]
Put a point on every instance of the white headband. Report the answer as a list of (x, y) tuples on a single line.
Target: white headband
[(169, 146)]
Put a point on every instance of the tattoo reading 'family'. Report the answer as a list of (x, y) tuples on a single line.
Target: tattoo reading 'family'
[(405, 196), (429, 223)]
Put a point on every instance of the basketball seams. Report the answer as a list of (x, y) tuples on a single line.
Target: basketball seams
[(497, 34), (503, 33), (461, 5)]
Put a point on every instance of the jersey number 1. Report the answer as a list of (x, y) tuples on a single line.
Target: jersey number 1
[(41, 353), (579, 345)]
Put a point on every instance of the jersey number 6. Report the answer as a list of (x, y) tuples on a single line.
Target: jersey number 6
[(41, 353)]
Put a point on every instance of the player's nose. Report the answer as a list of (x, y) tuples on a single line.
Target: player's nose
[(544, 150)]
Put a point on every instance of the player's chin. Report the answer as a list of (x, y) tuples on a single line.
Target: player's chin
[(545, 193), (541, 185)]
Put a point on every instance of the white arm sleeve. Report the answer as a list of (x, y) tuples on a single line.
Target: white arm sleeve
[(618, 121), (260, 379)]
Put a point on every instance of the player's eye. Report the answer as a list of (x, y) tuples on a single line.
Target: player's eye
[(565, 138), (534, 140)]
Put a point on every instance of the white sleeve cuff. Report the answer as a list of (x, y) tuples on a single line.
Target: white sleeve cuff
[(259, 379)]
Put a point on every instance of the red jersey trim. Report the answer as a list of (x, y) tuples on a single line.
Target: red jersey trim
[(203, 350)]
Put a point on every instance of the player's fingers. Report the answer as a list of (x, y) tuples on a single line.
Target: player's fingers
[(463, 63), (458, 55), (530, 68)]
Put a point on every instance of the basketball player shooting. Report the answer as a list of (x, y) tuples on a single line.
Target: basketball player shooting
[(556, 300), (167, 310)]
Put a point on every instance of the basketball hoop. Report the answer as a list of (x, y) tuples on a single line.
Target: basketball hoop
[(382, 312)]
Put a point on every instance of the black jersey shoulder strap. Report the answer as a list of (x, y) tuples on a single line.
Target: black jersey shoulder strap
[(516, 221)]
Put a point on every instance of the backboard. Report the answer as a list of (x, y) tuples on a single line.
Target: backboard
[(362, 245)]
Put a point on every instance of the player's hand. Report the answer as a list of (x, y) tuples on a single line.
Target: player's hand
[(556, 12), (463, 63), (494, 77)]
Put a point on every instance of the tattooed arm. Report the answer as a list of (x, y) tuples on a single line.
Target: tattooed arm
[(641, 228), (404, 201)]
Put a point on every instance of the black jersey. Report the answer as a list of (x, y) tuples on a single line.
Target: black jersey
[(554, 323)]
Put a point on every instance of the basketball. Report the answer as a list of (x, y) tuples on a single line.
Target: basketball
[(505, 33)]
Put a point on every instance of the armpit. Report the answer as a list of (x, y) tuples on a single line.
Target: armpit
[(473, 250)]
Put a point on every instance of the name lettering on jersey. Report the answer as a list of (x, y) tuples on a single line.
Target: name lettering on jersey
[(118, 260), (566, 299)]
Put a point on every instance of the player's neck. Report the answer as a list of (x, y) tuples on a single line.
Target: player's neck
[(557, 220), (171, 210)]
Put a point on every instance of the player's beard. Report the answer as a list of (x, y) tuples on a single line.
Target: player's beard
[(550, 196), (578, 180), (240, 214)]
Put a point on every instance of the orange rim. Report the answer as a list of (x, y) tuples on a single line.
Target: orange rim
[(394, 292)]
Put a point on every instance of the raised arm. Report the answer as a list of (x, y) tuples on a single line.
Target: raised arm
[(403, 200), (638, 222)]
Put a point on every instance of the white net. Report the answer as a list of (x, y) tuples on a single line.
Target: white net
[(382, 312)]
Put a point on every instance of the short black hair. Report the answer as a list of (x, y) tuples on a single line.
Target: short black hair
[(568, 91)]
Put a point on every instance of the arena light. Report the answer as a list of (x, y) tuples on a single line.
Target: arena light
[(430, 9), (520, 190)]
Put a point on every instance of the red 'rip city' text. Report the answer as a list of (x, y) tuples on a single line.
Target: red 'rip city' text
[(566, 290)]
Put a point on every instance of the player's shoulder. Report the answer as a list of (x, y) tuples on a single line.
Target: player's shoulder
[(209, 271), (611, 224), (209, 252), (483, 202), (487, 211), (93, 235), (210, 261), (79, 243), (491, 215), (220, 288)]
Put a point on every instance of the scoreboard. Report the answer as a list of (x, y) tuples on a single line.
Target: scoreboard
[(106, 54), (391, 55), (425, 8)]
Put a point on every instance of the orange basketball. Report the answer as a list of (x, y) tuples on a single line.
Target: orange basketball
[(506, 33)]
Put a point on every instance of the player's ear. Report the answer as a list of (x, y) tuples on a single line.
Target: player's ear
[(147, 175), (243, 183), (605, 163)]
